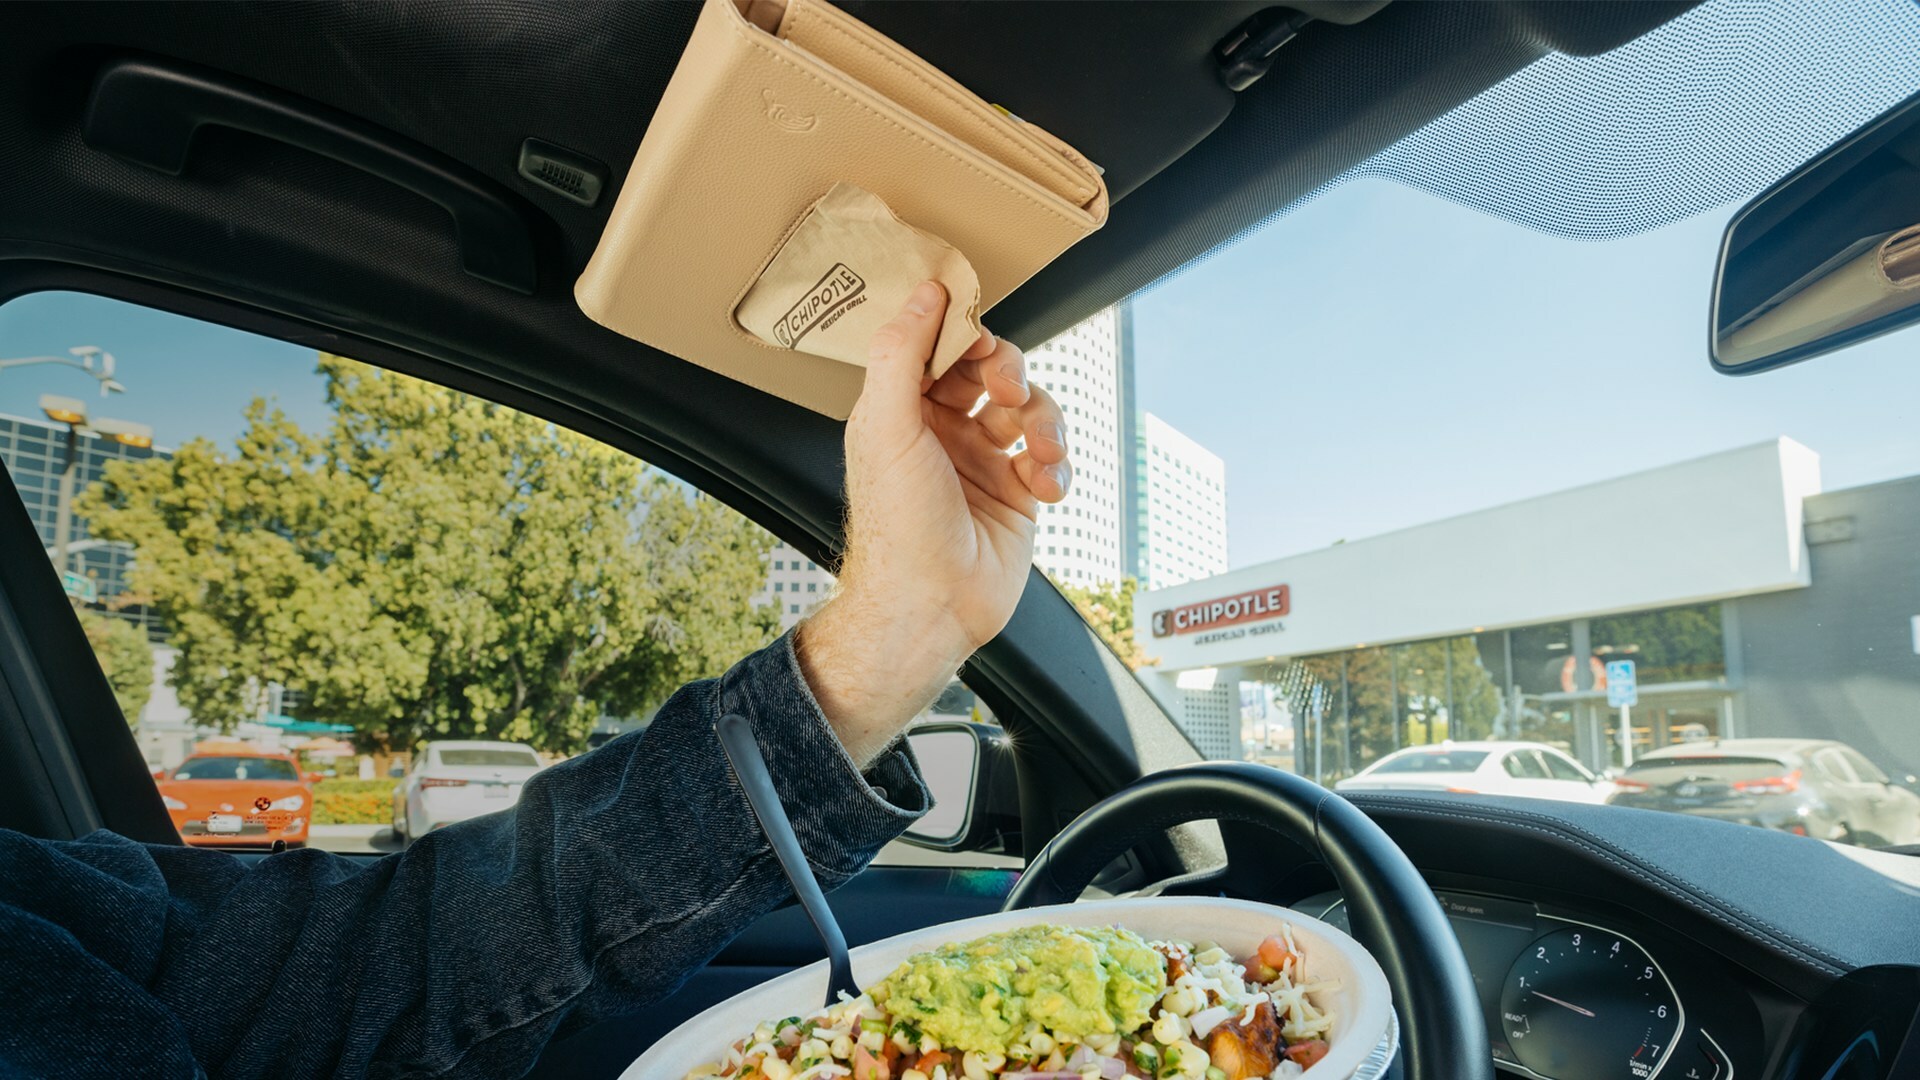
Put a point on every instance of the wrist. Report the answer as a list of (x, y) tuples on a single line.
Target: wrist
[(874, 662)]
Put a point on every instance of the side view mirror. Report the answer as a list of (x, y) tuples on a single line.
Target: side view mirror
[(159, 774), (1826, 258), (312, 777), (969, 771)]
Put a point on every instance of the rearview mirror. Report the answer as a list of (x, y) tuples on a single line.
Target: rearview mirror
[(1827, 257), (969, 771)]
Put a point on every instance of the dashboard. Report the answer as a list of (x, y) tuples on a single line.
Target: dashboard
[(1568, 998), (1610, 944)]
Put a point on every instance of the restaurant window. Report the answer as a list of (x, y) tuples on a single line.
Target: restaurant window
[(1674, 645)]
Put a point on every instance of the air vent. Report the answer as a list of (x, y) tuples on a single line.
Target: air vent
[(571, 176)]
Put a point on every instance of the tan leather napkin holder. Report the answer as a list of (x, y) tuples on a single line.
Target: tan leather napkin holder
[(774, 104)]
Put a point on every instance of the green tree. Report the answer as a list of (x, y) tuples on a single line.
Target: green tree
[(433, 566), (1109, 610), (125, 658)]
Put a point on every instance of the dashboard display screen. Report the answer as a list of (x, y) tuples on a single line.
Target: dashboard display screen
[(1492, 932)]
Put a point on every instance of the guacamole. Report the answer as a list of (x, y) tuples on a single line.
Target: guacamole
[(1074, 981)]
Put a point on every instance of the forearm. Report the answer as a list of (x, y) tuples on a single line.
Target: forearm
[(618, 874)]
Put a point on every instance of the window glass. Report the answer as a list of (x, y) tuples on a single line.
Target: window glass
[(511, 758), (448, 522), (1716, 767), (1674, 645), (1562, 769), (1524, 765), (1484, 537), (1432, 761), (1862, 768), (1834, 765), (236, 768)]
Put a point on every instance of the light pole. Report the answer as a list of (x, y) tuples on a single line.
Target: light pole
[(73, 413), (84, 358)]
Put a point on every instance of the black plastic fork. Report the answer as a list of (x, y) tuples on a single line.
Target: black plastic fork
[(750, 768)]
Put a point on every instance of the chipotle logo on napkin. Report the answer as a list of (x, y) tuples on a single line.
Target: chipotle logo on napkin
[(823, 304), (845, 270)]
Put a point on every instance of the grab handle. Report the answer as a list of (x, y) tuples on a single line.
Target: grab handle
[(148, 113)]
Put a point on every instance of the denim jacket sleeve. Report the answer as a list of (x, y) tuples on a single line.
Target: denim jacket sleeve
[(618, 874)]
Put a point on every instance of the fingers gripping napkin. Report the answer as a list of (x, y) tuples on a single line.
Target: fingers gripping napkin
[(847, 268)]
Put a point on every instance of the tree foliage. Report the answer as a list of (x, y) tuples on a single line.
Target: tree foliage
[(125, 658), (1109, 610), (433, 566)]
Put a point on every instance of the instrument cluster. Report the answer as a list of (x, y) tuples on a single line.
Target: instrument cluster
[(1572, 999)]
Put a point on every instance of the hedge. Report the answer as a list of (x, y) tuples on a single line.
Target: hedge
[(353, 802)]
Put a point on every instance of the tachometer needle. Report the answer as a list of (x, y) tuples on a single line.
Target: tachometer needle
[(1563, 1004)]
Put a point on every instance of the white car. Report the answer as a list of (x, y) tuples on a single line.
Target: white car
[(1531, 769), (454, 781)]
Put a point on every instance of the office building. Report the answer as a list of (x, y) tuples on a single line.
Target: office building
[(1182, 514), (1079, 542), (35, 453), (795, 584)]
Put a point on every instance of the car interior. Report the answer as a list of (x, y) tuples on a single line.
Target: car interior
[(421, 186)]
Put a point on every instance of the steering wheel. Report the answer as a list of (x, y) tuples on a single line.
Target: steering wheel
[(1391, 909)]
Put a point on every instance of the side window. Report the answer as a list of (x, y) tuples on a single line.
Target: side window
[(297, 569), (1833, 764), (1864, 769), (1524, 765), (1563, 769)]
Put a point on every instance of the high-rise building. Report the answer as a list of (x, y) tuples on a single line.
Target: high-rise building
[(1181, 517), (795, 583), (1080, 541), (34, 453)]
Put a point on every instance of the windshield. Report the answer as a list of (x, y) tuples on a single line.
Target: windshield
[(512, 758), (1432, 761), (1438, 454), (236, 768)]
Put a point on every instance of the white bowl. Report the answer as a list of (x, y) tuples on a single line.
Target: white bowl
[(1361, 1002)]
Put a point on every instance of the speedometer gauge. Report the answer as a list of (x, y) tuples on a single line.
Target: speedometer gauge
[(1586, 1004)]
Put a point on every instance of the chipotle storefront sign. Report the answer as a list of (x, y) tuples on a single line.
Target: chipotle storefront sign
[(1268, 603)]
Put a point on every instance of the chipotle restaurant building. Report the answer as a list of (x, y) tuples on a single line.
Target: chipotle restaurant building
[(1751, 602)]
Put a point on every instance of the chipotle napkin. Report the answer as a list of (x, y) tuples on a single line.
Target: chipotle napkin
[(845, 270)]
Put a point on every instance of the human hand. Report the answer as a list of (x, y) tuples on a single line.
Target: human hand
[(940, 523)]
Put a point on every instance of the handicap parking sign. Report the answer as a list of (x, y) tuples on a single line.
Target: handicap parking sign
[(1623, 688)]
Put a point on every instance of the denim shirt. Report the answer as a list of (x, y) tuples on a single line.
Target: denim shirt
[(618, 874)]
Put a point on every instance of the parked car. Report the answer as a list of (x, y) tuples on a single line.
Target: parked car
[(1809, 787), (235, 794), (454, 781), (1530, 769)]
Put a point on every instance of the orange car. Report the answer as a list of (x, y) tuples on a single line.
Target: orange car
[(238, 795)]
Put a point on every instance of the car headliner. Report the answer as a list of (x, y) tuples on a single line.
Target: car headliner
[(276, 240)]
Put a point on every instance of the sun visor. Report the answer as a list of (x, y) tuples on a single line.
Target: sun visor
[(794, 140)]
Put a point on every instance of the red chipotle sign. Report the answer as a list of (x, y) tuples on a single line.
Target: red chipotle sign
[(1268, 603)]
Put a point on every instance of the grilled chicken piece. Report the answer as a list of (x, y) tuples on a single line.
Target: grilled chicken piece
[(1249, 1051)]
